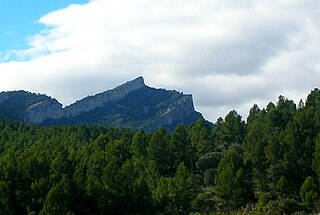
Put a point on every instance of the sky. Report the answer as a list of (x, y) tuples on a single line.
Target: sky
[(229, 54)]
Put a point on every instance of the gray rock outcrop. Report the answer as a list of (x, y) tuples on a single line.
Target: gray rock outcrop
[(176, 112), (99, 100), (39, 112)]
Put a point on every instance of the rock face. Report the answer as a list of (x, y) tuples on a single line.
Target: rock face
[(39, 112), (133, 105), (181, 110), (92, 102), (28, 107)]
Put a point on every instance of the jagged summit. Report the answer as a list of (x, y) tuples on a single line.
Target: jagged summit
[(99, 100), (124, 89), (132, 105), (133, 84)]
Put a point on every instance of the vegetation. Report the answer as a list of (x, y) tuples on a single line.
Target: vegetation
[(15, 103), (269, 164)]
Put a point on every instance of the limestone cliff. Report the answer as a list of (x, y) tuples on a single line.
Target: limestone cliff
[(39, 112), (99, 100), (28, 107), (180, 111)]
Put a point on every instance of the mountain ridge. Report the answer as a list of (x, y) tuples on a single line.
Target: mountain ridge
[(132, 105), (100, 99)]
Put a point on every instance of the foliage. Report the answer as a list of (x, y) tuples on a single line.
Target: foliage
[(267, 165)]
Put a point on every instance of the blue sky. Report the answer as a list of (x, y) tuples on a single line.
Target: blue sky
[(18, 20), (228, 54)]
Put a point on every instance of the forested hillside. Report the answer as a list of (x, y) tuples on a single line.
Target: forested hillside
[(269, 164)]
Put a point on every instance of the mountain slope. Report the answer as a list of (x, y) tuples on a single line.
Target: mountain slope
[(28, 107), (133, 105)]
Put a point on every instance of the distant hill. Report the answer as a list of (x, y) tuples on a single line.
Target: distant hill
[(133, 105)]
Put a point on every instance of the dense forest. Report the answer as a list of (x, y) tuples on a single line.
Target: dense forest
[(268, 164)]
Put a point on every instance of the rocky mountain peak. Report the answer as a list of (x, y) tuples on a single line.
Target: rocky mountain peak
[(92, 102), (131, 105), (131, 85)]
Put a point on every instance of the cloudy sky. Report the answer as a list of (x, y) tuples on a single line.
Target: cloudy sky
[(229, 54)]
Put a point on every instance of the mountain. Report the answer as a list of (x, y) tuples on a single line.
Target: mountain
[(133, 105), (28, 107)]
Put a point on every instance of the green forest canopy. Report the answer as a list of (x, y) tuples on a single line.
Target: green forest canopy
[(269, 164)]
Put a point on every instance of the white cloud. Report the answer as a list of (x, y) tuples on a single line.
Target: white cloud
[(228, 54)]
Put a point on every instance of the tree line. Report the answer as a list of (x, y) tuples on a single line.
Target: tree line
[(268, 164)]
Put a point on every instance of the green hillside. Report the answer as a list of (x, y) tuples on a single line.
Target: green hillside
[(269, 164)]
